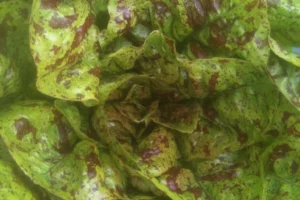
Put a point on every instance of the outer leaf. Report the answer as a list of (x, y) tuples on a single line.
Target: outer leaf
[(284, 40), (12, 187), (232, 121), (249, 111), (257, 51), (59, 32), (38, 129)]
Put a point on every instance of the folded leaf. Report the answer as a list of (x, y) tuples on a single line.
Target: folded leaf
[(285, 76)]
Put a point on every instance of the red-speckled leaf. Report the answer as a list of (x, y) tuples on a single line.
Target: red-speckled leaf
[(59, 34), (231, 24), (122, 18), (41, 141), (215, 75)]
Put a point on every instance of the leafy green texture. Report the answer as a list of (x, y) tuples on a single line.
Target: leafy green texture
[(149, 99)]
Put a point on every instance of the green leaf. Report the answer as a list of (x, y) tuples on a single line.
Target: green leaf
[(122, 17), (231, 24), (72, 114), (281, 159), (182, 181), (234, 184), (59, 33), (157, 152), (212, 76), (12, 186), (15, 57), (286, 77), (285, 27), (276, 188), (40, 140)]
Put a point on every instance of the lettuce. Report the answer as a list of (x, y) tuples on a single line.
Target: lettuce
[(145, 100)]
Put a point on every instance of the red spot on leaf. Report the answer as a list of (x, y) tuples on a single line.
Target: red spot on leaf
[(220, 176), (64, 145), (50, 4), (81, 31), (212, 82), (24, 127), (294, 167), (57, 22), (55, 49), (147, 154), (210, 112), (251, 5), (172, 176), (95, 72), (198, 51), (37, 28), (278, 152), (92, 160)]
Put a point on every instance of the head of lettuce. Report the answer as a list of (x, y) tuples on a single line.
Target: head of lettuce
[(150, 99)]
